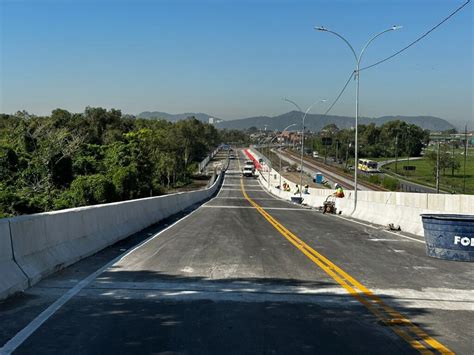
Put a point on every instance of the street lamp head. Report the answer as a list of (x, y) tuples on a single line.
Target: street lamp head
[(320, 28), (396, 27)]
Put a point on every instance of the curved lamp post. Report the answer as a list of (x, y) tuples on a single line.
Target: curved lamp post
[(358, 59), (284, 130), (302, 135)]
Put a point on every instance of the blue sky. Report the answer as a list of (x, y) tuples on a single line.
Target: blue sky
[(233, 59)]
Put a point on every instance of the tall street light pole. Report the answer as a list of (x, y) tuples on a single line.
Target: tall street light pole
[(284, 130), (269, 162), (302, 136), (358, 59)]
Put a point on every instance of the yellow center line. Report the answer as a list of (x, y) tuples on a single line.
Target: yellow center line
[(408, 331)]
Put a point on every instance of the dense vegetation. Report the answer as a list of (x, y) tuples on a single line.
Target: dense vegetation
[(392, 138), (67, 160)]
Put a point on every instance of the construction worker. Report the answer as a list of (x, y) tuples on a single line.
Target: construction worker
[(339, 193), (297, 190), (306, 189)]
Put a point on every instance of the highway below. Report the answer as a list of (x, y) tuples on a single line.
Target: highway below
[(246, 273)]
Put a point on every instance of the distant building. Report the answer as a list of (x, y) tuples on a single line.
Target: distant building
[(213, 120), (291, 137), (452, 137)]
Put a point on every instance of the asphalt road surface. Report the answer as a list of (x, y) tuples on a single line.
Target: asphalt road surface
[(246, 273)]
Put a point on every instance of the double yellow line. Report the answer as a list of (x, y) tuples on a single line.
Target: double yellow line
[(411, 333)]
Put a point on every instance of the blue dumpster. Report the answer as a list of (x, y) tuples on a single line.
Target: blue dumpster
[(449, 237), (318, 178)]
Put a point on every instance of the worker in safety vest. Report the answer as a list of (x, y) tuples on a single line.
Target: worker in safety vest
[(339, 191)]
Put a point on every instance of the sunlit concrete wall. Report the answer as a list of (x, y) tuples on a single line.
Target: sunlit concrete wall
[(33, 246), (399, 208)]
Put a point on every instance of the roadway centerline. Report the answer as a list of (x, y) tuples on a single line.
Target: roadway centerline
[(265, 208), (408, 331), (226, 189), (243, 199)]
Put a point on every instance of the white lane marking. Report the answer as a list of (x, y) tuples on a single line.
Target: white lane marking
[(224, 189), (232, 172), (225, 185), (11, 345), (424, 268), (382, 230), (244, 199), (265, 208), (386, 240), (220, 290), (187, 269)]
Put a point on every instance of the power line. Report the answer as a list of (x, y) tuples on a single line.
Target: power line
[(340, 94), (395, 54), (419, 38)]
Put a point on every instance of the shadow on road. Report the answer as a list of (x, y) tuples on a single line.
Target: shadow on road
[(152, 312)]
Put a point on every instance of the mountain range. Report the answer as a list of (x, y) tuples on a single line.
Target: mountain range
[(174, 117), (314, 122)]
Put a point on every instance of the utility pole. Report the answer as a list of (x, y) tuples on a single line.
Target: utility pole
[(452, 158), (437, 170), (396, 154), (325, 151), (465, 157)]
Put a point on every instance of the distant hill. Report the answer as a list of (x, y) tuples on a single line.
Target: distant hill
[(316, 122), (313, 122), (174, 117)]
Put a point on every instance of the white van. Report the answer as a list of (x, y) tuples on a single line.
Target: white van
[(248, 171)]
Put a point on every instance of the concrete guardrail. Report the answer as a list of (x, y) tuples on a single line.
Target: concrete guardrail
[(12, 279), (401, 209), (202, 165), (34, 246)]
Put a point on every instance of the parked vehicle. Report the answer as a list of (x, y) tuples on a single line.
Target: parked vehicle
[(249, 164), (248, 171)]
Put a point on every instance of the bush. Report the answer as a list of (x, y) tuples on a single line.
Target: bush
[(90, 190), (390, 183), (374, 179), (125, 180)]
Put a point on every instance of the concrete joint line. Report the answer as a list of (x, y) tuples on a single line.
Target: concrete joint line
[(13, 254)]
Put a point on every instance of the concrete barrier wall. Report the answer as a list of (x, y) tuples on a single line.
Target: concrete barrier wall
[(12, 279), (400, 208), (46, 242), (202, 165)]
